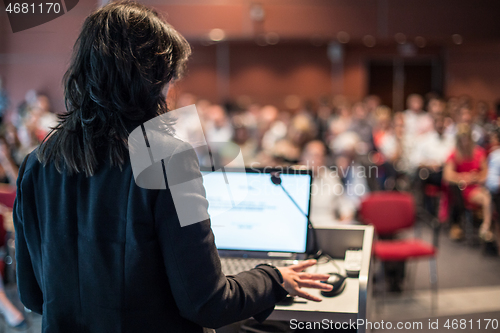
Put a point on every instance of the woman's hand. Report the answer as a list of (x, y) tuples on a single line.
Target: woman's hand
[(474, 178), (294, 279), (468, 177)]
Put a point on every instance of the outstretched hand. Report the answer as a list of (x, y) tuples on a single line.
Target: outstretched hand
[(295, 279)]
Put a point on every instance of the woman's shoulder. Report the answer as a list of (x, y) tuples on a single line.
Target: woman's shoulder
[(452, 156), (30, 161)]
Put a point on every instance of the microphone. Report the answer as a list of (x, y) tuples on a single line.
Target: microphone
[(276, 180)]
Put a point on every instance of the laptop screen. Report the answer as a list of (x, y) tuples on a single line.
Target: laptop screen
[(265, 219)]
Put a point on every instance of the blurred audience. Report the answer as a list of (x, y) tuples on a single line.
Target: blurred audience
[(336, 137)]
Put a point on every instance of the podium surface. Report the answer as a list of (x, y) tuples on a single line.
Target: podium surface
[(350, 305)]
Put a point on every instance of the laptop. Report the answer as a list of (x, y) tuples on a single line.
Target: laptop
[(264, 225)]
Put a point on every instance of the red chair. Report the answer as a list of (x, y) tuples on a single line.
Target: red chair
[(389, 213), (7, 198)]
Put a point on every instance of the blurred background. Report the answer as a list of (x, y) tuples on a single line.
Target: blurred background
[(288, 52), (374, 95)]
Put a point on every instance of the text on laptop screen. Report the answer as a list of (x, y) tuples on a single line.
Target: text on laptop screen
[(266, 220)]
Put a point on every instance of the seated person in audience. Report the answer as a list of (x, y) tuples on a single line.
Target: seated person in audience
[(383, 134), (322, 189), (354, 186), (372, 102), (436, 108), (361, 126), (484, 115), (478, 133), (416, 119), (218, 131), (12, 315), (393, 148), (8, 168), (283, 153), (382, 126), (301, 130), (242, 143), (466, 116), (493, 178), (431, 153), (322, 118), (287, 151), (336, 192), (326, 189), (36, 122), (467, 168), (451, 117), (217, 125), (417, 122), (340, 122), (9, 132), (270, 127), (43, 117)]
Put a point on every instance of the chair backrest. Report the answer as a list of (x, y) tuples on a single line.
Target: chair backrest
[(388, 212), (7, 198)]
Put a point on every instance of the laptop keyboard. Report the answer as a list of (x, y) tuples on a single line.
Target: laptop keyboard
[(233, 266)]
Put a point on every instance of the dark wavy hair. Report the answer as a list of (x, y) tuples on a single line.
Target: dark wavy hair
[(122, 60)]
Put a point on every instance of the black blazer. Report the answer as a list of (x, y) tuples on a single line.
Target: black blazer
[(100, 254)]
